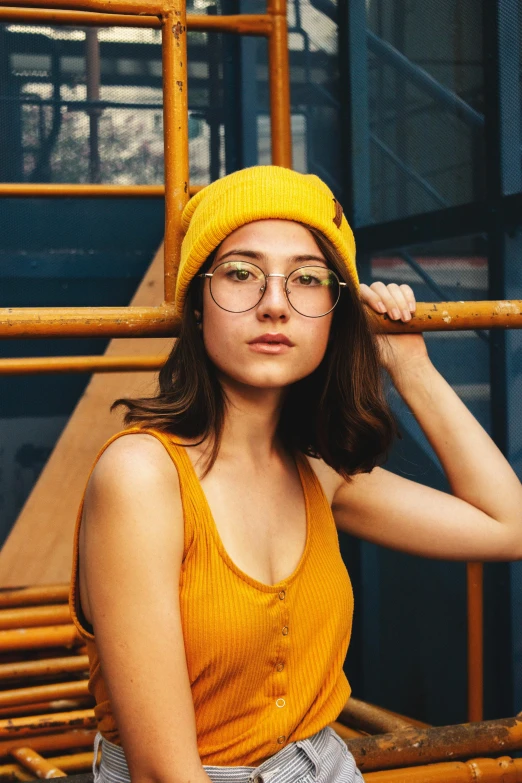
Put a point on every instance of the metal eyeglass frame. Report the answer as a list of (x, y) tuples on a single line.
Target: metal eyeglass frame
[(341, 284)]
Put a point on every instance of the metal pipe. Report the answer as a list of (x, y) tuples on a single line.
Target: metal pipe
[(279, 84), (76, 762), (44, 707), (37, 764), (475, 599), (14, 697), (43, 667), (92, 68), (30, 595), (242, 24), (34, 616), (31, 638), (424, 746), (56, 721), (154, 7), (175, 123), (58, 190), (501, 770), (77, 364), (77, 738), (87, 321), (17, 322), (14, 772), (345, 732), (372, 719)]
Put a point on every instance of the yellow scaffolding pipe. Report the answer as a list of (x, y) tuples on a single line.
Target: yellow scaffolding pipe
[(241, 24), (59, 190), (20, 322)]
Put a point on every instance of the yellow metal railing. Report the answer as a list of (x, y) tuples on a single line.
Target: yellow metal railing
[(170, 17)]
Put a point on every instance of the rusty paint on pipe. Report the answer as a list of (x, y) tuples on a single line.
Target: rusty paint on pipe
[(31, 638), (59, 190), (15, 697), (77, 364), (37, 764), (455, 316), (84, 321), (372, 719), (46, 743), (162, 321), (475, 600), (59, 721), (175, 124), (501, 770), (34, 616), (279, 82), (242, 24), (43, 707), (409, 747), (44, 667), (31, 595)]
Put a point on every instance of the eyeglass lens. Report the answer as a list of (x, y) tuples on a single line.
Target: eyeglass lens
[(238, 286)]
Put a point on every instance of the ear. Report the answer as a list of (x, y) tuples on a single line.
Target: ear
[(197, 313)]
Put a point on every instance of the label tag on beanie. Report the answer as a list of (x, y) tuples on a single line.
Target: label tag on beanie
[(338, 213)]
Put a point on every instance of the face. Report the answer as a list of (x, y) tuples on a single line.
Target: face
[(232, 339)]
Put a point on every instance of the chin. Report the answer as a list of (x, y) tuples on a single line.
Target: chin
[(264, 379)]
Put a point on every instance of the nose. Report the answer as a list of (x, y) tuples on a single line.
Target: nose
[(274, 303)]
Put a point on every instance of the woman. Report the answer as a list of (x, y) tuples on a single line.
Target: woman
[(210, 564)]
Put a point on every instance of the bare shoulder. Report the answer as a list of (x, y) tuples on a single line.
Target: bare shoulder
[(132, 513), (134, 481), (131, 457), (329, 479)]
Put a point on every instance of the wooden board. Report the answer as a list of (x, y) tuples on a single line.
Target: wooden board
[(39, 547)]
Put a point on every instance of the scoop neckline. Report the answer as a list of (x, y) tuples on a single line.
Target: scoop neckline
[(252, 581)]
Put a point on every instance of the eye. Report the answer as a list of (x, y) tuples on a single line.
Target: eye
[(238, 274), (307, 280)]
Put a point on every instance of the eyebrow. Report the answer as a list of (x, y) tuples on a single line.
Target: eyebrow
[(262, 257)]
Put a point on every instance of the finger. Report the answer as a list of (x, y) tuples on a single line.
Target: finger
[(372, 298), (388, 298), (409, 296), (400, 301)]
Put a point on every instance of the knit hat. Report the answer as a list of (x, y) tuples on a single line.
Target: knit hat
[(258, 193)]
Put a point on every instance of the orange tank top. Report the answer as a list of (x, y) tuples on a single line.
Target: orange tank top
[(265, 661)]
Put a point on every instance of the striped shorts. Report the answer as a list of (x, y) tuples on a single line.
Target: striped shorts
[(322, 758)]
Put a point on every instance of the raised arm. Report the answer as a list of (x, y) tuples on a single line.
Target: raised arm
[(482, 519), (131, 549)]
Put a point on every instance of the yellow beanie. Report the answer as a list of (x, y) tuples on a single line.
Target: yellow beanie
[(258, 193)]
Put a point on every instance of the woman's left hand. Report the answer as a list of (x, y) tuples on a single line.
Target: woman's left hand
[(398, 301)]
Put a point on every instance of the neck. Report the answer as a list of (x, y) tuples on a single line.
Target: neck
[(251, 422)]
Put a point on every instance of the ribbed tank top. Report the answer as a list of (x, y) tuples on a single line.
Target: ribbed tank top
[(265, 662)]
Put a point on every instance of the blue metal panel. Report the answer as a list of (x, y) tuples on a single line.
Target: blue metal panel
[(503, 102)]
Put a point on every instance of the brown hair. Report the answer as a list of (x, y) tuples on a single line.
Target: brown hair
[(338, 413)]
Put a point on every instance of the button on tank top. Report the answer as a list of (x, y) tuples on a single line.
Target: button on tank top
[(265, 662)]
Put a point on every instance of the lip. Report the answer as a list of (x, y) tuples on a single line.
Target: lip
[(271, 343), (272, 339)]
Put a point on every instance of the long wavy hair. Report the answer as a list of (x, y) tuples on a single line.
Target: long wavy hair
[(338, 413)]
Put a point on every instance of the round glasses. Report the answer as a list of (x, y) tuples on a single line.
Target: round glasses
[(238, 286)]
